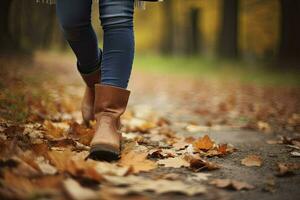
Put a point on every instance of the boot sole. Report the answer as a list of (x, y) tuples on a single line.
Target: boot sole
[(102, 153)]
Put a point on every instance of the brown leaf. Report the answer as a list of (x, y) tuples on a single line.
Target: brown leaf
[(264, 127), (137, 184), (74, 164), (44, 166), (80, 133), (77, 192), (176, 162), (199, 164), (162, 153), (16, 187), (204, 143), (231, 184), (222, 149), (136, 158), (287, 168), (181, 144), (25, 168), (52, 130), (252, 160), (139, 125)]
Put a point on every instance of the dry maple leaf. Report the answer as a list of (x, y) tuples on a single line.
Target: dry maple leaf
[(219, 150), (176, 162), (136, 158), (252, 160), (204, 143), (52, 130), (74, 164), (231, 184), (80, 133), (181, 144), (198, 164), (161, 153)]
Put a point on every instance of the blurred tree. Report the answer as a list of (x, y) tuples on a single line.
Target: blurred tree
[(26, 26), (167, 44), (5, 35), (194, 36), (228, 35), (289, 47)]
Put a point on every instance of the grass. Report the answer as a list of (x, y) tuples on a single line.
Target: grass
[(207, 68), (258, 73)]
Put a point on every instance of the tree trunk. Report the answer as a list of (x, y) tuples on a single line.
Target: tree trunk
[(194, 36), (228, 38), (289, 47), (5, 35), (168, 38)]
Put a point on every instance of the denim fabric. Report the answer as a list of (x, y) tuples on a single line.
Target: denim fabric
[(118, 43)]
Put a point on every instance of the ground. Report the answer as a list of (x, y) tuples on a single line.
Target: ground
[(237, 132)]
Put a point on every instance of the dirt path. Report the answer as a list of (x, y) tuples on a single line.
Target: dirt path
[(248, 117)]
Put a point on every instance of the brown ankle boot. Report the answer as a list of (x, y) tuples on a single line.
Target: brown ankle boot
[(87, 105), (110, 104)]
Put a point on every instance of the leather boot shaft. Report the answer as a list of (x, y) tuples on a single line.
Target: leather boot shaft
[(92, 78), (110, 100), (87, 105), (110, 104)]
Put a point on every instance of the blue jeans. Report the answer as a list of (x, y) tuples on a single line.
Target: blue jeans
[(118, 38)]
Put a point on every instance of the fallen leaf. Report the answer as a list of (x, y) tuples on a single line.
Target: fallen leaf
[(252, 160), (287, 168), (16, 187), (162, 153), (134, 184), (198, 177), (264, 127), (181, 144), (136, 158), (82, 134), (195, 128), (198, 164), (53, 130), (44, 166), (77, 192), (74, 164), (139, 125), (176, 162), (112, 169), (204, 143), (231, 184), (295, 154)]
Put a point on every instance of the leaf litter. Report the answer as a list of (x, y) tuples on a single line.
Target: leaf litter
[(44, 155)]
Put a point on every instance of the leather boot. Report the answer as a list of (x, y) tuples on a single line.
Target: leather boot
[(110, 104), (87, 105)]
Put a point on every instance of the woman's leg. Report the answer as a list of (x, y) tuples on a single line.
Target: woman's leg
[(111, 95), (75, 19), (118, 51)]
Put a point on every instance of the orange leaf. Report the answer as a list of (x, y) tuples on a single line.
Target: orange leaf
[(204, 143)]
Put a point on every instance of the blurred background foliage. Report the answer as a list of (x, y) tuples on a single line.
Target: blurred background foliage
[(263, 32)]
